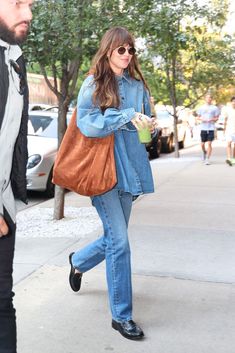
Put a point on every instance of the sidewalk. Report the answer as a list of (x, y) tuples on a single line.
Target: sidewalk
[(183, 256)]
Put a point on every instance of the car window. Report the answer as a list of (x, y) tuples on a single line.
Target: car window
[(51, 129), (44, 126), (163, 115), (39, 123)]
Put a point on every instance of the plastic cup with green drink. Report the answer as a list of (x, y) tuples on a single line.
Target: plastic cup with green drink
[(144, 133)]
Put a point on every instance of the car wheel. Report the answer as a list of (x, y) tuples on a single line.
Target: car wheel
[(181, 143), (50, 190), (167, 144), (155, 149)]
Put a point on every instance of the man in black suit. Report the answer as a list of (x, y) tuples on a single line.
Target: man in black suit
[(15, 18)]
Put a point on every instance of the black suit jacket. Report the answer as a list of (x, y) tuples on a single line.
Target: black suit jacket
[(20, 156)]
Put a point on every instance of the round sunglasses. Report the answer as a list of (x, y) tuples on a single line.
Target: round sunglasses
[(122, 50)]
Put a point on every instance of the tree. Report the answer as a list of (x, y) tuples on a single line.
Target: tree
[(64, 36), (57, 44), (187, 51)]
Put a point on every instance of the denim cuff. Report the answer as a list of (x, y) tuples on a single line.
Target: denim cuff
[(128, 114)]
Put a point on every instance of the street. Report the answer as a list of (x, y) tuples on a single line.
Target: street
[(182, 239), (146, 265)]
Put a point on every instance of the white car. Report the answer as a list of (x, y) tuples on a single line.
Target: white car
[(220, 123), (42, 148), (166, 122)]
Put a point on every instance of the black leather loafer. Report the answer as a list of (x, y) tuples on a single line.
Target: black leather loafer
[(128, 329), (229, 162), (75, 279)]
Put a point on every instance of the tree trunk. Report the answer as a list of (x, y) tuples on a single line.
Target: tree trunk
[(60, 192), (171, 78), (59, 203), (64, 93), (176, 140)]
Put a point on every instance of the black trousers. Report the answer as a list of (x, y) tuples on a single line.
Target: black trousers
[(7, 311)]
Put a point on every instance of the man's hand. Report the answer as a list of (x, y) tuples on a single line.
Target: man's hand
[(3, 227)]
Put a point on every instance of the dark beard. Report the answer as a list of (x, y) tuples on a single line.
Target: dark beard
[(9, 36)]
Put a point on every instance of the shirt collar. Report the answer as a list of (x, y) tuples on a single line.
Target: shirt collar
[(4, 44), (125, 76), (14, 51)]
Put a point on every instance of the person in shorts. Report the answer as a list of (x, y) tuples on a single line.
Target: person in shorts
[(229, 131), (208, 114)]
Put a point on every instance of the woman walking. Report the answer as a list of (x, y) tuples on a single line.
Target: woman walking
[(110, 101)]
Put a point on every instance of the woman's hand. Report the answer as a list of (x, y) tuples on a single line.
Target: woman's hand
[(141, 121), (3, 227)]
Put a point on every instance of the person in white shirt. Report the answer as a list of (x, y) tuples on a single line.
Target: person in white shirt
[(229, 130), (208, 114)]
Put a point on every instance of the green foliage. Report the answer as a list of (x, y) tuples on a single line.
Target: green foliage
[(187, 48), (65, 34), (59, 33), (189, 52), (186, 52)]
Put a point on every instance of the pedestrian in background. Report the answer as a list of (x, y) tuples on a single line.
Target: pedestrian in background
[(208, 114), (229, 130), (110, 101), (15, 17)]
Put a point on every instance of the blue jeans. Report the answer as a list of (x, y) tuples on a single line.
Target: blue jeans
[(114, 208)]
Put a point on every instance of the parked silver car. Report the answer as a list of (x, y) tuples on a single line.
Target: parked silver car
[(166, 122), (42, 147)]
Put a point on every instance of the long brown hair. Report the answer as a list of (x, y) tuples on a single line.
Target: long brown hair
[(106, 92)]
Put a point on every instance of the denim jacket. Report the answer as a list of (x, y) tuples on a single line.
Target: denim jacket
[(132, 165)]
